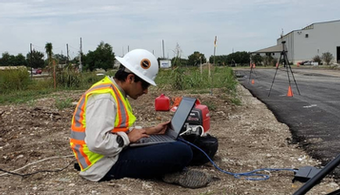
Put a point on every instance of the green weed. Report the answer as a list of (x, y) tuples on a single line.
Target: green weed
[(19, 97), (211, 105), (236, 101), (14, 79), (63, 103)]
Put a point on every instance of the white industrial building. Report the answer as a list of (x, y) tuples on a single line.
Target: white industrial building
[(306, 43)]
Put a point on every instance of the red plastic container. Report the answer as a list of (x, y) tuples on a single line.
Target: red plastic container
[(162, 103)]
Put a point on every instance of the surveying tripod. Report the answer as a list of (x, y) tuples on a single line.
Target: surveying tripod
[(283, 58)]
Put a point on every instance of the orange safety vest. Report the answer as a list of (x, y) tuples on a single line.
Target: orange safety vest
[(124, 119)]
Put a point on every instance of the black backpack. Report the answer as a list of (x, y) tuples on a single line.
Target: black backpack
[(207, 143)]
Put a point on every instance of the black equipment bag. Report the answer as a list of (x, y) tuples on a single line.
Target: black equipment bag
[(207, 143)]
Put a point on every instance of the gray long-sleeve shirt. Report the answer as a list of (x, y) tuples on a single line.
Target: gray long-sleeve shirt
[(101, 111)]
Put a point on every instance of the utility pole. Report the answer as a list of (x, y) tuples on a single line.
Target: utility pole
[(81, 51), (67, 54), (31, 61), (212, 83), (201, 65), (215, 45), (163, 49), (54, 75)]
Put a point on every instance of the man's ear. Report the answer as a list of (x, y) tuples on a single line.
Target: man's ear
[(131, 77)]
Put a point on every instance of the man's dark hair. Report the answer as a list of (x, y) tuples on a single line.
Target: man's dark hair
[(122, 74)]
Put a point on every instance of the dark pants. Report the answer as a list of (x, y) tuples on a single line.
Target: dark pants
[(151, 161)]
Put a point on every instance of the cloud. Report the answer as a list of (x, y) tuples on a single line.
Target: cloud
[(244, 25)]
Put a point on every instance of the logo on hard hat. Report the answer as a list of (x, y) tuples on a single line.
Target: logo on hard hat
[(145, 63)]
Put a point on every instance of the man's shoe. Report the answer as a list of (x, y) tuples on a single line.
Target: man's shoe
[(188, 179)]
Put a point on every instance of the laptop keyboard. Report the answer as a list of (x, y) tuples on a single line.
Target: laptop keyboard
[(156, 138)]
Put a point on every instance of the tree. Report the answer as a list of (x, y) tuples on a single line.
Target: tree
[(5, 59), (20, 60), (219, 60), (257, 59), (90, 61), (327, 57), (240, 57), (11, 60), (177, 62), (61, 59), (317, 59), (196, 59), (267, 59), (48, 48), (102, 57), (37, 59)]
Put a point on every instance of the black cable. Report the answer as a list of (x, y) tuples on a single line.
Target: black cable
[(40, 171)]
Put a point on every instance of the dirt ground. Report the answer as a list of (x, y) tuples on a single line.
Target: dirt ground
[(35, 137)]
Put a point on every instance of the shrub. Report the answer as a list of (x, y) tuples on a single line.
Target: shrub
[(68, 79), (14, 79), (327, 57), (317, 59)]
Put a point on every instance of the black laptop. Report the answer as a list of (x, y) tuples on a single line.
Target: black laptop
[(175, 126)]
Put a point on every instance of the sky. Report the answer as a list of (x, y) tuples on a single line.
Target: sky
[(190, 25)]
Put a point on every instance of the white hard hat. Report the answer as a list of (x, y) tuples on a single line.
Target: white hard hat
[(142, 63)]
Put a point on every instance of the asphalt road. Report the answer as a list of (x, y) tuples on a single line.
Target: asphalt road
[(312, 113)]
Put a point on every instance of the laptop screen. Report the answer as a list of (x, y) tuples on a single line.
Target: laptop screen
[(181, 115)]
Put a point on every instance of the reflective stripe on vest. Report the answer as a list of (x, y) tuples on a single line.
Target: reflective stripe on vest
[(124, 119)]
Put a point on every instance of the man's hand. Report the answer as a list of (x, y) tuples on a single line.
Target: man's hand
[(158, 129), (136, 134)]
